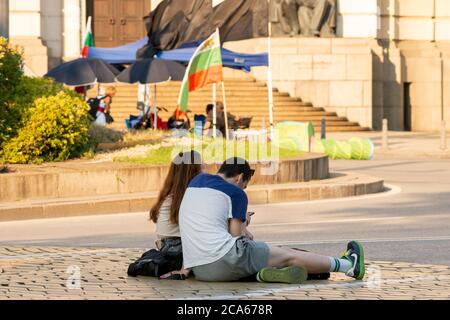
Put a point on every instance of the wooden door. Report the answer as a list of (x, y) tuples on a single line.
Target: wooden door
[(118, 22), (131, 12), (104, 23)]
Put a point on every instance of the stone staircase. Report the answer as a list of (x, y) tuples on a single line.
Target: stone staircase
[(245, 97)]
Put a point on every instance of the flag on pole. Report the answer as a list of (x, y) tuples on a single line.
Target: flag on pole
[(88, 40), (204, 68)]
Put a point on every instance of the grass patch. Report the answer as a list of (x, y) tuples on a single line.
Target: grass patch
[(214, 152)]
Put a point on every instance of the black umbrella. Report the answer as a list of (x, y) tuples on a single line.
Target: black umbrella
[(83, 72), (153, 71)]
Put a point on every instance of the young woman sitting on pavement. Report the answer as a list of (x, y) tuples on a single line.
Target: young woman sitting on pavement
[(165, 212)]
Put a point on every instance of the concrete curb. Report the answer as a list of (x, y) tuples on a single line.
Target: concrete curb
[(339, 186)]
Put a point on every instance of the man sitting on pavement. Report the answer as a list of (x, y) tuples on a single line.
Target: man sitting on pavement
[(218, 246)]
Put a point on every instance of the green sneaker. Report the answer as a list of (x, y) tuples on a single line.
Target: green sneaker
[(355, 254), (291, 275)]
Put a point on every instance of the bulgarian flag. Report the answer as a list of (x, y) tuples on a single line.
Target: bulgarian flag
[(204, 68), (88, 40)]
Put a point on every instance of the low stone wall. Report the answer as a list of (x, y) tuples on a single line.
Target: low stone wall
[(337, 186), (84, 179)]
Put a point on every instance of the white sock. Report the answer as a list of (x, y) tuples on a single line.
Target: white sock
[(340, 265)]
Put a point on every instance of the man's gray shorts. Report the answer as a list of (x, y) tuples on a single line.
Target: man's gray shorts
[(245, 259)]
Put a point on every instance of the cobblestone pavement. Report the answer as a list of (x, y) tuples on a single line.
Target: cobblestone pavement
[(52, 273)]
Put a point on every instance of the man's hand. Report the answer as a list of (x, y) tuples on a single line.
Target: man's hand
[(249, 235)]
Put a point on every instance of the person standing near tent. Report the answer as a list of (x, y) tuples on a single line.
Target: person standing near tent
[(104, 109), (144, 99)]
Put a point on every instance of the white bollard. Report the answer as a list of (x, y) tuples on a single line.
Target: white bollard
[(443, 136), (385, 143)]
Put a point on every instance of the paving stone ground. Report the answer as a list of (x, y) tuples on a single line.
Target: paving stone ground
[(52, 273)]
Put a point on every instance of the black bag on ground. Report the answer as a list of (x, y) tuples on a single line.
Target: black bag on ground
[(154, 263)]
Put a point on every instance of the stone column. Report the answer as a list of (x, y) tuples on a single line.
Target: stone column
[(442, 24), (52, 30), (25, 30), (72, 29), (358, 19), (4, 18)]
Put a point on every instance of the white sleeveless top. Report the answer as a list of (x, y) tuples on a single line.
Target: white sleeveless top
[(164, 228)]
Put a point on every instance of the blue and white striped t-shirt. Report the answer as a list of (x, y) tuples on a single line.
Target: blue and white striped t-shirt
[(207, 206)]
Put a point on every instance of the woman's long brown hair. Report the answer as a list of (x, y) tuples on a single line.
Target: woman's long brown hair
[(182, 170)]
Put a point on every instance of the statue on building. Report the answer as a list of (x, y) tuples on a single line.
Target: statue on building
[(303, 17)]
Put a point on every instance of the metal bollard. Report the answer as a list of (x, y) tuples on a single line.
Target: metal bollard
[(385, 142), (443, 136), (323, 131)]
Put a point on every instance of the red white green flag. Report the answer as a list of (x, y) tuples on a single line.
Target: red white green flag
[(88, 40), (204, 68)]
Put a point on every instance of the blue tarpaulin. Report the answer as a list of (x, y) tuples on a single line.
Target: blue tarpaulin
[(127, 55), (119, 55)]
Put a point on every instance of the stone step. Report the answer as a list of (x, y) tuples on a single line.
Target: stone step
[(208, 97), (245, 97), (231, 107), (257, 127), (204, 101), (177, 84), (200, 107), (313, 115)]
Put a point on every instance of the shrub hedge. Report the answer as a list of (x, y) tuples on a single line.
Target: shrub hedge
[(55, 129)]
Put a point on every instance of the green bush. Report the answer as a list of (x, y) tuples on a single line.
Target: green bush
[(23, 97), (11, 68), (11, 63), (55, 129)]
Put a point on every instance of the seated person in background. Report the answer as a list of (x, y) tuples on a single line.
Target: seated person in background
[(179, 120), (202, 118), (220, 119), (209, 108)]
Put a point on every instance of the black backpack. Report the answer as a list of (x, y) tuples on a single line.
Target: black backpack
[(94, 103), (156, 263)]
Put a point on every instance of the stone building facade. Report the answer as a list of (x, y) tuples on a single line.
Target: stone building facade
[(390, 58)]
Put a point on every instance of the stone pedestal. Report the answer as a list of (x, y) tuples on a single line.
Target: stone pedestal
[(25, 30)]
